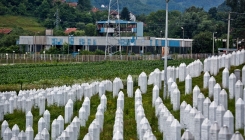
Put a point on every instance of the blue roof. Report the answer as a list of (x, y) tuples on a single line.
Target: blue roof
[(71, 0), (117, 21)]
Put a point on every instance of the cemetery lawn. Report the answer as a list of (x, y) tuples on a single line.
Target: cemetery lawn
[(31, 76)]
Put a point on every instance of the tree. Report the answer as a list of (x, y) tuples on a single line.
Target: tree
[(212, 12), (43, 10), (90, 29), (84, 5), (202, 42), (125, 14), (236, 5)]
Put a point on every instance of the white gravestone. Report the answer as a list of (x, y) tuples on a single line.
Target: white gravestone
[(182, 110), (60, 121), (239, 117), (15, 130), (224, 133), (238, 90), (130, 86), (206, 78), (220, 111), (224, 99), (232, 83), (46, 116), (175, 130), (198, 123), (217, 90), (155, 94), (187, 135), (29, 133), (212, 111), (214, 131), (191, 124), (228, 120), (237, 136), (225, 78), (29, 119), (196, 92), (41, 124), (206, 104), (176, 99), (206, 124), (211, 84), (200, 100), (188, 84)]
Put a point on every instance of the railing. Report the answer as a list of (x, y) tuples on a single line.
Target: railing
[(49, 58)]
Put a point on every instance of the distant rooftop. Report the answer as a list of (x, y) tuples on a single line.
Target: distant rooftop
[(69, 30), (5, 30)]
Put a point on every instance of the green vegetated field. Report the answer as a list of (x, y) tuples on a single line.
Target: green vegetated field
[(33, 74), (27, 23)]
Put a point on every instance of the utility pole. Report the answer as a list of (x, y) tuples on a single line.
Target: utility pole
[(57, 21), (228, 32), (165, 53)]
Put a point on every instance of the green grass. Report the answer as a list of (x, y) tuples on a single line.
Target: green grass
[(129, 112), (27, 23)]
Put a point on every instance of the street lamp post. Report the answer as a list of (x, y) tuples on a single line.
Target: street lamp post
[(78, 54), (69, 42), (228, 33), (13, 56), (7, 57), (165, 53), (213, 41), (44, 56), (183, 36)]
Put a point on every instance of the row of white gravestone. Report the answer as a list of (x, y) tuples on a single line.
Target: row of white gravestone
[(118, 123), (97, 124), (144, 131), (84, 111), (68, 111), (167, 124), (214, 63), (204, 128), (17, 134), (96, 127), (187, 135), (156, 77)]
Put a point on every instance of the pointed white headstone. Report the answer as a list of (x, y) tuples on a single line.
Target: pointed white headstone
[(212, 111), (214, 131), (188, 84), (217, 90), (225, 78), (206, 78), (196, 92), (239, 117), (29, 133), (228, 120), (206, 104), (224, 133), (232, 83), (206, 124), (211, 84)]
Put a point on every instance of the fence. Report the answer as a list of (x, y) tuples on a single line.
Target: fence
[(40, 58)]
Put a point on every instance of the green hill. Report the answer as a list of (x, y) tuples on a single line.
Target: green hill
[(27, 23)]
